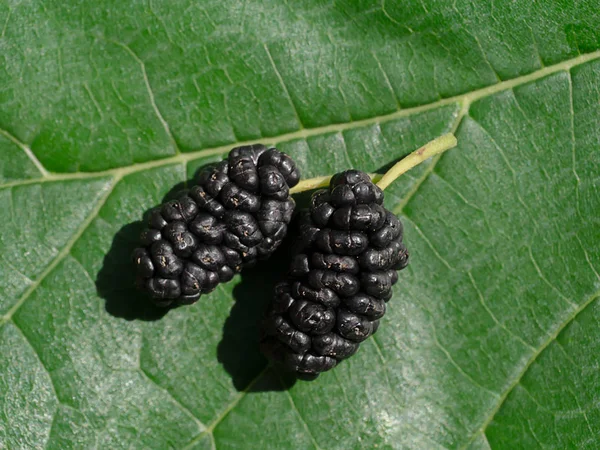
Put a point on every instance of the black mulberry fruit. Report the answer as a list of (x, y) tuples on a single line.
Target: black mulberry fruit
[(238, 212), (339, 281)]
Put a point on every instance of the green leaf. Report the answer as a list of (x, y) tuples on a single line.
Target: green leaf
[(490, 339)]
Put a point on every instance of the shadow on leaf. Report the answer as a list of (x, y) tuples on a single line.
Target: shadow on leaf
[(116, 280), (239, 350)]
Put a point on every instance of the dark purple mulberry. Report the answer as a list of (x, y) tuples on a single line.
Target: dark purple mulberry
[(238, 212), (340, 279)]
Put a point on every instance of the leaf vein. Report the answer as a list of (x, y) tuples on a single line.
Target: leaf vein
[(387, 80), (211, 426), (293, 405), (61, 255), (573, 146), (305, 133), (443, 349), (519, 376), (36, 162), (512, 170), (546, 281), (587, 257), (52, 385), (148, 86), (429, 244), (493, 316), (177, 402), (283, 85)]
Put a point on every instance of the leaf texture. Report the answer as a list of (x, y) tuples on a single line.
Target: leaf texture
[(490, 338)]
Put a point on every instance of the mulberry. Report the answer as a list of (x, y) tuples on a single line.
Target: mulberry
[(238, 212), (339, 281)]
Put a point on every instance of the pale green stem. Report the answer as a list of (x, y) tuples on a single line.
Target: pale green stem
[(322, 182), (435, 147)]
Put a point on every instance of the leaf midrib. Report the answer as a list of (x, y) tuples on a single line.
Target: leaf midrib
[(304, 133), (464, 100)]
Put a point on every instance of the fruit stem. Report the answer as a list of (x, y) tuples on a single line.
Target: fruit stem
[(322, 182), (435, 147), (432, 148)]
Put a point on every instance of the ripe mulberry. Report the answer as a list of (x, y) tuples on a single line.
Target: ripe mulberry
[(238, 212), (339, 281)]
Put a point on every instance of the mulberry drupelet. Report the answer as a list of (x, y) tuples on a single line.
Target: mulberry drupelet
[(339, 281), (237, 213)]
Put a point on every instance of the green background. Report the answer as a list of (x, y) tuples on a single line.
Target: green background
[(492, 336)]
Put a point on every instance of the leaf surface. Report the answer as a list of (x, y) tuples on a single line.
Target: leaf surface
[(490, 339)]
